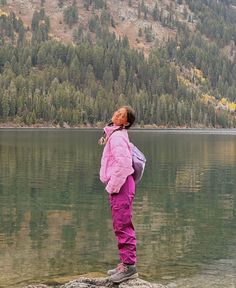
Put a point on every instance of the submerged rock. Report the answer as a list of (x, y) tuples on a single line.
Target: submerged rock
[(103, 283), (36, 286)]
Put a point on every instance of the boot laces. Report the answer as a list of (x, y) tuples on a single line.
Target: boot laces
[(122, 267)]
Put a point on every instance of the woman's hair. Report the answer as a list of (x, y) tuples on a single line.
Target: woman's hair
[(130, 116)]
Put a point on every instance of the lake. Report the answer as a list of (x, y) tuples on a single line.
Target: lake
[(55, 219)]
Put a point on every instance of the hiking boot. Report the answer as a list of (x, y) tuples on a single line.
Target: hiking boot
[(115, 270), (125, 272)]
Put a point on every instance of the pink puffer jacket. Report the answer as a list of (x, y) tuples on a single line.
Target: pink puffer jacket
[(116, 162)]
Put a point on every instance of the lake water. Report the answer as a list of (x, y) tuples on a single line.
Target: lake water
[(55, 219)]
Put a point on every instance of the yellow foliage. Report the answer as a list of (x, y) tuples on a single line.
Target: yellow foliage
[(206, 98), (232, 106), (2, 13), (198, 73), (183, 80), (223, 101)]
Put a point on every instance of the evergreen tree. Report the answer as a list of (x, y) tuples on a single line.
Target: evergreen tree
[(60, 3), (177, 84), (71, 15), (155, 13)]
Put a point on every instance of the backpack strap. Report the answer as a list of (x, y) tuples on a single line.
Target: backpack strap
[(103, 140)]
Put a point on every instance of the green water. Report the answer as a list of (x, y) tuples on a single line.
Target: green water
[(55, 219)]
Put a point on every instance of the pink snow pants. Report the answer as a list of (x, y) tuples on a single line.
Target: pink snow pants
[(122, 209)]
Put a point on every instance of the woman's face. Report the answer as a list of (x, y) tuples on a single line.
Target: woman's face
[(120, 117)]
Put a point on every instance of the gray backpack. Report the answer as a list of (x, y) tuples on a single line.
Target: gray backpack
[(139, 162)]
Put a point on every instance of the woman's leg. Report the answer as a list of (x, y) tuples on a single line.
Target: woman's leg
[(121, 207)]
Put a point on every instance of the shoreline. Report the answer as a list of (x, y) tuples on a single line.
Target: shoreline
[(11, 125)]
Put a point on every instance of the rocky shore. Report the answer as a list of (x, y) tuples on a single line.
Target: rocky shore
[(102, 282), (98, 125)]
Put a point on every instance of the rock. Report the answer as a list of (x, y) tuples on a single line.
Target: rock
[(65, 125), (37, 286), (172, 285), (104, 283), (84, 282)]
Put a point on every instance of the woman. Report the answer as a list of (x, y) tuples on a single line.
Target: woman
[(116, 173)]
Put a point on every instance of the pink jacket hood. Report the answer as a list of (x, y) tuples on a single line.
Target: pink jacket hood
[(116, 162)]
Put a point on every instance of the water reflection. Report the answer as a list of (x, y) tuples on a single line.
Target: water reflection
[(55, 219), (187, 181)]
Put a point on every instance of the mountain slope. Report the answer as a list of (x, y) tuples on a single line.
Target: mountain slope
[(128, 17), (198, 61)]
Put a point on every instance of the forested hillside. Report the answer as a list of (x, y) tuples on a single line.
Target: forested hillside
[(175, 67)]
